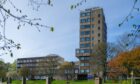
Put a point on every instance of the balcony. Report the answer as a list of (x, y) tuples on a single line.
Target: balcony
[(83, 52)]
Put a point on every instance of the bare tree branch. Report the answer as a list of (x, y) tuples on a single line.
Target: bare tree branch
[(6, 44)]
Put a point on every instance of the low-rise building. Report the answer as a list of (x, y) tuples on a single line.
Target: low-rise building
[(40, 67)]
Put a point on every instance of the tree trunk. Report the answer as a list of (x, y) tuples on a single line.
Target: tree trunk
[(9, 81), (23, 80), (48, 80), (0, 80)]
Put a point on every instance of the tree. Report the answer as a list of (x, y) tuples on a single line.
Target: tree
[(13, 66), (102, 53), (114, 68), (22, 20), (12, 74), (126, 43), (49, 66), (126, 62), (24, 72), (67, 69), (2, 70)]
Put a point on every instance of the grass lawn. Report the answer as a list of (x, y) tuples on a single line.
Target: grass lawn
[(30, 82), (71, 82), (74, 82), (54, 82)]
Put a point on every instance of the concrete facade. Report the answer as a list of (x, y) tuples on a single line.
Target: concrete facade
[(93, 30), (38, 66)]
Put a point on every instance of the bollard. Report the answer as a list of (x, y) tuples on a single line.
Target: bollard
[(98, 80)]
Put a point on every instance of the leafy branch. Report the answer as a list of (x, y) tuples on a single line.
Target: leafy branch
[(7, 44), (37, 3), (78, 4), (129, 16)]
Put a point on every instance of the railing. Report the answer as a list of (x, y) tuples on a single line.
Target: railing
[(82, 52)]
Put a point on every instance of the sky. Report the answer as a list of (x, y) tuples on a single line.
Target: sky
[(65, 38)]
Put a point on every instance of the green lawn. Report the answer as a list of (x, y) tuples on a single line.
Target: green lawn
[(71, 82), (54, 82), (30, 82), (74, 82)]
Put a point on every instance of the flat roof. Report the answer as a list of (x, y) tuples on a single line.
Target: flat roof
[(89, 9), (40, 57)]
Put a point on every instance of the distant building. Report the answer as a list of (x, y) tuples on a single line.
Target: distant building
[(39, 66), (68, 71), (93, 30)]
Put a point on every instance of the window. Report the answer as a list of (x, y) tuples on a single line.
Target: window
[(25, 61), (82, 33), (77, 51), (82, 64), (82, 71), (82, 14), (88, 20), (92, 25), (85, 26), (84, 45), (99, 15), (85, 14), (98, 28), (87, 39), (83, 20), (88, 14), (87, 71), (87, 51), (81, 51), (92, 44), (92, 19), (98, 21), (82, 39), (87, 58), (92, 32), (98, 41), (92, 38), (86, 64), (82, 58), (87, 45), (87, 32), (82, 26), (98, 34)]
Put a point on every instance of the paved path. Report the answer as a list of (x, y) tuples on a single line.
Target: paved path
[(2, 83)]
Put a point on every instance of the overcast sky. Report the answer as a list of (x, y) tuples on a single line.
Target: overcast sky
[(65, 39)]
